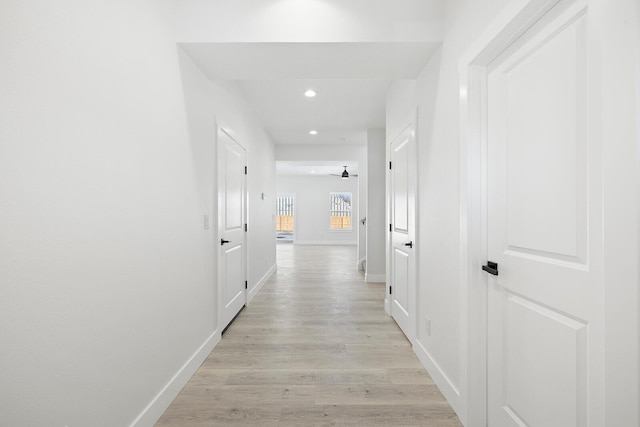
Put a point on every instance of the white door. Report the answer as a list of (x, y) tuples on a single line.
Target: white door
[(544, 230), (232, 160), (403, 225)]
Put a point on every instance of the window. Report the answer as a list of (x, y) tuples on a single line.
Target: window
[(284, 213), (340, 211)]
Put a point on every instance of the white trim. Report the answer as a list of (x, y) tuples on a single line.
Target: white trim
[(324, 242), (254, 290), (154, 410), (375, 278), (387, 304), (446, 386)]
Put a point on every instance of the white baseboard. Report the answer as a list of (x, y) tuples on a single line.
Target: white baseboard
[(375, 278), (254, 290), (387, 307), (446, 386), (154, 410), (323, 242)]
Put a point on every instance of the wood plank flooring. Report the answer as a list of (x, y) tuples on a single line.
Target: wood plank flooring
[(314, 348)]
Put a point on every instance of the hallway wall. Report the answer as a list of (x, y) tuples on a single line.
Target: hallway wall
[(220, 102), (313, 205), (106, 163), (436, 96), (310, 152)]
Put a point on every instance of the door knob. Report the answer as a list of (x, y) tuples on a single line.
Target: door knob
[(491, 268), (410, 244), (222, 242)]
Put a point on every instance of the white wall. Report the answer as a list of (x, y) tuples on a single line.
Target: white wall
[(402, 101), (106, 166), (330, 153), (313, 206), (220, 102), (376, 227), (436, 96)]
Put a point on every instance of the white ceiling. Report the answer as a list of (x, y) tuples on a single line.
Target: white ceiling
[(348, 51), (341, 112), (351, 80), (315, 168)]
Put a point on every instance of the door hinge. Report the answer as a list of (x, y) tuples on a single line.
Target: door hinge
[(246, 285), (390, 228), (389, 165), (390, 287), (245, 170), (245, 227)]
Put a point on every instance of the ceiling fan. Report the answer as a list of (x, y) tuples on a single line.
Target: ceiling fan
[(345, 174)]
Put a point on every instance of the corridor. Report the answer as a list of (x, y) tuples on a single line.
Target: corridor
[(314, 348)]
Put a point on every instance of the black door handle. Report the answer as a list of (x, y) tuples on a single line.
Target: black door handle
[(410, 244), (491, 268), (222, 242)]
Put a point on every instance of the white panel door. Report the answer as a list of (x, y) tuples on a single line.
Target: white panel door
[(232, 160), (403, 225), (543, 230)]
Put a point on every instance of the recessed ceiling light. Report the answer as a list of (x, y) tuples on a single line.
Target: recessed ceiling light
[(310, 93), (313, 132), (313, 171)]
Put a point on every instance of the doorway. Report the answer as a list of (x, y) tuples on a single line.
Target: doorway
[(285, 218)]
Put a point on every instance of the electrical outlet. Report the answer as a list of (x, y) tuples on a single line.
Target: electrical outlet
[(427, 326)]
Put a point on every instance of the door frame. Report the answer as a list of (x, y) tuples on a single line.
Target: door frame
[(245, 258), (412, 119), (515, 19)]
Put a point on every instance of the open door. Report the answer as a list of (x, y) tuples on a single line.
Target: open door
[(232, 207), (403, 177)]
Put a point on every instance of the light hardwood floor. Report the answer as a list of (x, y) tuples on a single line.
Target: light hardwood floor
[(314, 348)]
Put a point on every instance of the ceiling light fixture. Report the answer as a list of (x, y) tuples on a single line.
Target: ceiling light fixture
[(310, 93), (313, 132), (345, 174)]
